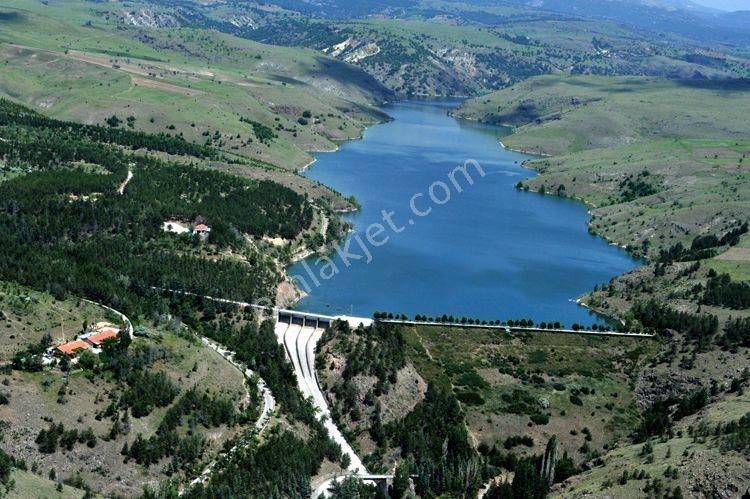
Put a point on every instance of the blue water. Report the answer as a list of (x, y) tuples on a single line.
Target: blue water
[(490, 252)]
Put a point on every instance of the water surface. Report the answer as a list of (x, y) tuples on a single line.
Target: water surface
[(490, 251)]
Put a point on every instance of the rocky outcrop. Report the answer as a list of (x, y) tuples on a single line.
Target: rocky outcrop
[(653, 386), (147, 18)]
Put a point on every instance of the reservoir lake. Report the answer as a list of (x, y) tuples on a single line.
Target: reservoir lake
[(477, 247)]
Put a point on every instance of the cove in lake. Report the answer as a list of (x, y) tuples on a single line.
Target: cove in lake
[(491, 252)]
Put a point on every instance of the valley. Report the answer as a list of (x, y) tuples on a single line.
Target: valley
[(548, 201)]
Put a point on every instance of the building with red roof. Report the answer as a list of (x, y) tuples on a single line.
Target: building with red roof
[(202, 229), (72, 348), (96, 340)]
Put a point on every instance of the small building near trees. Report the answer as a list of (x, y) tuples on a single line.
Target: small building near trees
[(72, 348)]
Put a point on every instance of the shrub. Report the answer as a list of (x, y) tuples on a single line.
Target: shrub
[(470, 398), (539, 419)]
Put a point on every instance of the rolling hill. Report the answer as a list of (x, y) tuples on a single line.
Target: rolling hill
[(69, 59)]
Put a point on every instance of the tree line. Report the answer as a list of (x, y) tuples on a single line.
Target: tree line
[(16, 114), (703, 246), (67, 231)]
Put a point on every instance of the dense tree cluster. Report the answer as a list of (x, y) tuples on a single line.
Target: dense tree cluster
[(67, 230), (723, 292), (48, 439), (280, 467), (352, 487), (381, 355), (15, 114), (7, 463), (634, 187), (207, 410), (737, 332), (526, 484), (263, 133), (659, 418), (661, 317), (434, 437), (31, 358), (146, 391), (703, 246), (736, 435), (258, 348)]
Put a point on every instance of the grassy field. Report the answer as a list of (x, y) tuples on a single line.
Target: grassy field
[(35, 400), (69, 60), (75, 400), (735, 262), (28, 484), (507, 381), (468, 59), (450, 48), (27, 315), (655, 168), (556, 115), (692, 462)]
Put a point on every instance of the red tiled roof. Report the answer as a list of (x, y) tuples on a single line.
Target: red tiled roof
[(201, 227), (73, 346), (100, 337)]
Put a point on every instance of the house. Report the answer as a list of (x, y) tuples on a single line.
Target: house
[(96, 340), (72, 348), (201, 230)]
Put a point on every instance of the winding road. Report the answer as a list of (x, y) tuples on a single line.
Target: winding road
[(121, 188), (125, 319), (269, 405)]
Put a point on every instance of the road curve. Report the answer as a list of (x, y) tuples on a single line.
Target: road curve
[(125, 320), (269, 405)]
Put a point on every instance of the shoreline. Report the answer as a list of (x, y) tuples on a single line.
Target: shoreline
[(307, 253), (598, 311)]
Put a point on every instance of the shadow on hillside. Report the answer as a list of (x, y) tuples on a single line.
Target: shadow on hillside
[(734, 85), (347, 74), (10, 17)]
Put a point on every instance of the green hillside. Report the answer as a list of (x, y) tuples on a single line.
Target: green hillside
[(656, 167), (454, 48), (69, 59), (87, 214)]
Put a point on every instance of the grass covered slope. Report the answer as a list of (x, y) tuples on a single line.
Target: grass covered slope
[(663, 166), (509, 393), (628, 416), (709, 445), (555, 115), (536, 384), (659, 161), (273, 104), (107, 402), (75, 224), (89, 211), (453, 48)]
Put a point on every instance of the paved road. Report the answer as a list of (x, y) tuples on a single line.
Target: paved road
[(125, 320), (516, 328), (269, 405), (299, 343)]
